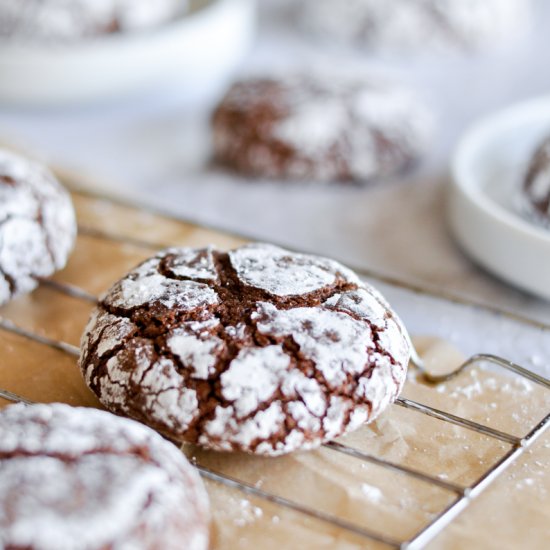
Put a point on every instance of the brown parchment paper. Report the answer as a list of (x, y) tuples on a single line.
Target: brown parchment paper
[(514, 512)]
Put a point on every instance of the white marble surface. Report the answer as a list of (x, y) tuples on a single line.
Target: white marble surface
[(157, 148)]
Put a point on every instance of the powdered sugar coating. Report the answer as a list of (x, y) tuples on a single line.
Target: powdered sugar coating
[(192, 263), (37, 224), (164, 397), (320, 126), (253, 377), (83, 478), (334, 341), (294, 350), (74, 19), (415, 25), (281, 273), (148, 285), (196, 348)]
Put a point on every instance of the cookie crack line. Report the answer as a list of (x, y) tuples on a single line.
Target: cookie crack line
[(12, 285), (10, 280), (138, 452), (39, 219), (229, 282)]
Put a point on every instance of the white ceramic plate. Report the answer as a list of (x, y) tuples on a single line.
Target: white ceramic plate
[(484, 207), (204, 44)]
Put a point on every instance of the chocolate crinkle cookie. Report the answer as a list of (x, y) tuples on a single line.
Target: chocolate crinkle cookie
[(37, 224), (258, 349), (73, 19), (414, 25), (320, 127), (75, 478), (536, 186)]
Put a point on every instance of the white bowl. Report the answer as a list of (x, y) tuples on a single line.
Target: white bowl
[(484, 207), (202, 45)]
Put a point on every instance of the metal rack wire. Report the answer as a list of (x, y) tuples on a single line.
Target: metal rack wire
[(463, 495)]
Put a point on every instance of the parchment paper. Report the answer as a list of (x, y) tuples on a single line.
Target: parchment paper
[(514, 512)]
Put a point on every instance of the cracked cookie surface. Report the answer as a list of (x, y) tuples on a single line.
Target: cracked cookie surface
[(84, 478), (326, 127), (258, 349), (37, 224)]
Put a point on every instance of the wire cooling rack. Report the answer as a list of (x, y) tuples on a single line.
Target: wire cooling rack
[(463, 494)]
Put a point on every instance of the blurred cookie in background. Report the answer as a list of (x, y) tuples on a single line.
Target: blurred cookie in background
[(37, 224), (323, 127), (402, 25), (74, 19), (536, 186), (75, 478)]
